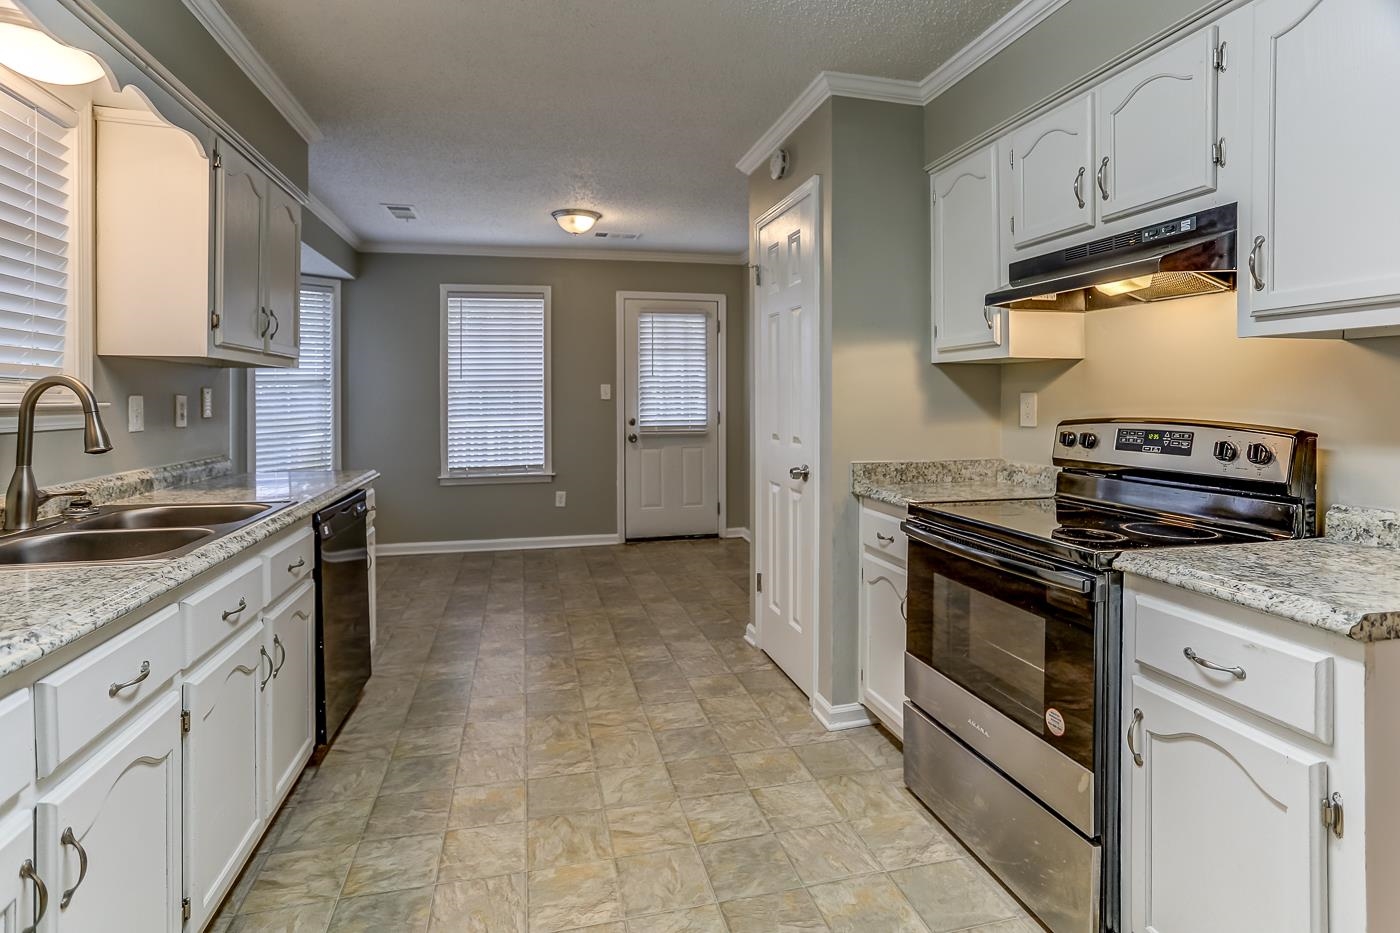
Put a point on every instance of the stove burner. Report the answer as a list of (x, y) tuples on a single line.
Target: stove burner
[(1170, 532), (1088, 536)]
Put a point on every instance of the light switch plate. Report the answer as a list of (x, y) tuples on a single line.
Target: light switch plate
[(605, 391), (182, 411), (135, 413), (1030, 413), (560, 498), (206, 402)]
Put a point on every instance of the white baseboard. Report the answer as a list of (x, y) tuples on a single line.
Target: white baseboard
[(836, 718), (751, 635), (405, 548), (738, 533)]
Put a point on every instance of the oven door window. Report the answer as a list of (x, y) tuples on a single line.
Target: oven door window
[(1022, 646)]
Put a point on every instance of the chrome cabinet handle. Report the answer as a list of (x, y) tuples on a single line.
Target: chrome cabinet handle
[(987, 316), (40, 889), (118, 688), (300, 563), (903, 598), (230, 613), (1209, 665), (1132, 744), (69, 839), (1254, 255), (1079, 187), (276, 323), (262, 650), (888, 539), (264, 322), (277, 643), (803, 472), (1102, 176)]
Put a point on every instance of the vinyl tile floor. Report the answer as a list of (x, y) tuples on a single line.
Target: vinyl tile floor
[(581, 739)]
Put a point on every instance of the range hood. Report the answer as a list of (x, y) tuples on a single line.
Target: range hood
[(1179, 258)]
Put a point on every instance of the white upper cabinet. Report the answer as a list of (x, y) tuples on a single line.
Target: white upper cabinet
[(1321, 240), (1156, 130), (966, 253), (1052, 175), (282, 262), (242, 198)]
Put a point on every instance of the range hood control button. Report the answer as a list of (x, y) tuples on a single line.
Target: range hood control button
[(1088, 440), (1226, 452), (1259, 455), (1068, 438)]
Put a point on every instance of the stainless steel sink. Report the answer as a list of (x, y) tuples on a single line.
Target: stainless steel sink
[(186, 515), (71, 545)]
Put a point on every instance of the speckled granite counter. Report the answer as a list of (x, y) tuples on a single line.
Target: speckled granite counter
[(902, 482), (1347, 582), (44, 609)]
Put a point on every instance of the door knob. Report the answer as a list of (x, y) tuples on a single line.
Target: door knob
[(802, 472), (631, 438)]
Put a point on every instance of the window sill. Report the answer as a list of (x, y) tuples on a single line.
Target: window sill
[(496, 479), (63, 416)]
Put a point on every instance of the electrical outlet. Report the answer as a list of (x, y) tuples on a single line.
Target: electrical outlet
[(1030, 409), (182, 411), (135, 413), (206, 402), (605, 391), (560, 499)]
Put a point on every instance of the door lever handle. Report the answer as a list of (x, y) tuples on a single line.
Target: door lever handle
[(803, 472)]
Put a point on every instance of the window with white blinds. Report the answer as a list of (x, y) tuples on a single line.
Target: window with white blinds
[(294, 424), (673, 371), (495, 375), (35, 178)]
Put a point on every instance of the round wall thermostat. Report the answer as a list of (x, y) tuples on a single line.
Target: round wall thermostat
[(778, 164)]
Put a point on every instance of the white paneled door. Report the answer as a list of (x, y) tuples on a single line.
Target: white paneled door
[(671, 417), (788, 303)]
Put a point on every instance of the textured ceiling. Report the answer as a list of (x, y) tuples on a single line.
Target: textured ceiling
[(487, 114)]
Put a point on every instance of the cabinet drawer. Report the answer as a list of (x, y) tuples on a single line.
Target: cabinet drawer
[(17, 740), (1285, 682), (880, 532), (79, 701), (221, 608), (289, 563)]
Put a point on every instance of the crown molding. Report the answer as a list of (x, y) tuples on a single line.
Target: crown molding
[(550, 252), (331, 219), (1018, 21), (236, 44), (826, 85)]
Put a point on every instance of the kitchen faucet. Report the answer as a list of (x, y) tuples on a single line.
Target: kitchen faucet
[(23, 498)]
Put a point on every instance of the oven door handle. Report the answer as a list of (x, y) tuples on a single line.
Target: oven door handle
[(1061, 579)]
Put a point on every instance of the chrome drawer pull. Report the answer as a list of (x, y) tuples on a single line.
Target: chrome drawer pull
[(230, 613), (40, 889), (69, 839), (118, 688), (888, 539), (293, 568), (1132, 730), (1079, 187), (262, 650), (1196, 659), (1254, 272), (277, 643)]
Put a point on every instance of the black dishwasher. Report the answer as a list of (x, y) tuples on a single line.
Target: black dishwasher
[(342, 613)]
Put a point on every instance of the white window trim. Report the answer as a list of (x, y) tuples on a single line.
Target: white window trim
[(447, 477), (251, 393)]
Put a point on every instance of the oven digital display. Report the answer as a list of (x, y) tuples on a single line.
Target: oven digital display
[(1148, 441)]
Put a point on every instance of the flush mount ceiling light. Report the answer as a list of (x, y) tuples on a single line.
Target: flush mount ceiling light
[(576, 220), (36, 55)]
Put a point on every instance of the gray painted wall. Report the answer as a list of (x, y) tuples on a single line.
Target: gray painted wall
[(317, 235), (390, 405)]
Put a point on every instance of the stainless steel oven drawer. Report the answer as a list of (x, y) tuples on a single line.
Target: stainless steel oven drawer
[(1049, 866)]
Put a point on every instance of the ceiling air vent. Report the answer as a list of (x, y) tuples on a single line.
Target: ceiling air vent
[(402, 211), (611, 235)]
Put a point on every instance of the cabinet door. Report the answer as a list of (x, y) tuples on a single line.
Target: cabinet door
[(1325, 74), (1227, 831), (282, 268), (222, 809), (241, 192), (17, 890), (1052, 175), (288, 701), (109, 836), (965, 232), (883, 587), (1156, 130)]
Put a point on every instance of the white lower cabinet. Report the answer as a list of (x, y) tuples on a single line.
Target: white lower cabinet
[(289, 732), (108, 835), (18, 889), (1225, 826), (223, 810), (883, 584)]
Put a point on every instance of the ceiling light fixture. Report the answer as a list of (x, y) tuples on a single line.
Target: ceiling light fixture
[(576, 220), (37, 55)]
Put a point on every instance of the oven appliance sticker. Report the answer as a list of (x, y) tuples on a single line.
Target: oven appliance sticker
[(1055, 722)]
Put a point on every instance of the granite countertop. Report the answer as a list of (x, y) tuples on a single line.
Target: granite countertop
[(44, 609), (903, 482), (1347, 582)]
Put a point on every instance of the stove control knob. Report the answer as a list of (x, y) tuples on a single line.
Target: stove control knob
[(1259, 455), (1088, 440), (1068, 438), (1226, 452)]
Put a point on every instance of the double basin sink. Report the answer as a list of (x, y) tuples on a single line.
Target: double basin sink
[(130, 533)]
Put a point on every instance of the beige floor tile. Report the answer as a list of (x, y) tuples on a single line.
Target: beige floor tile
[(573, 896), (705, 919), (659, 881), (436, 740), (330, 822), (865, 795), (482, 852), (345, 776), (902, 840), (793, 806), (786, 912), (620, 747), (306, 918), (563, 756), (477, 765), (393, 865), (827, 852), (722, 817), (717, 685), (486, 905), (702, 777), (299, 876), (625, 787), (622, 718), (569, 793), (954, 895), (826, 759), (861, 905), (748, 735), (401, 911), (488, 709), (409, 814), (748, 867), (685, 714), (739, 708), (771, 766), (693, 742), (568, 839), (649, 827), (481, 804), (494, 733)]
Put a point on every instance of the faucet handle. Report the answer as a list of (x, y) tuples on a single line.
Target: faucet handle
[(77, 494)]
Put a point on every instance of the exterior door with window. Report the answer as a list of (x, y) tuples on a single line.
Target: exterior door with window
[(671, 417), (295, 415)]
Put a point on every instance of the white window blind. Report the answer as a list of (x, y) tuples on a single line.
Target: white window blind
[(673, 371), (496, 375), (294, 409), (34, 242)]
